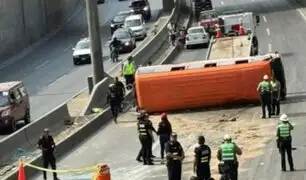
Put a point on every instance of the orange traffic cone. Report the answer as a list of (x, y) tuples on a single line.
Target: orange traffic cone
[(104, 173), (21, 173)]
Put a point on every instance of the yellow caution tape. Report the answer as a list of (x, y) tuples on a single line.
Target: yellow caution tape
[(84, 169)]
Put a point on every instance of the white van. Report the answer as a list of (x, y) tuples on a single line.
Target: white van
[(137, 25)]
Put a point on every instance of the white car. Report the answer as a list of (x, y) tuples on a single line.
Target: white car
[(81, 52), (137, 24), (195, 36)]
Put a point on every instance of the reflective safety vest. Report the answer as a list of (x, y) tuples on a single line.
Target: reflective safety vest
[(284, 130), (275, 85), (204, 155), (142, 129), (264, 86), (228, 151), (129, 69), (175, 150)]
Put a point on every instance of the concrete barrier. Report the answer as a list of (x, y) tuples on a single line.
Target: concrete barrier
[(29, 134), (24, 22)]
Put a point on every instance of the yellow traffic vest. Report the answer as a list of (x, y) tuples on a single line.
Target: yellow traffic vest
[(129, 69)]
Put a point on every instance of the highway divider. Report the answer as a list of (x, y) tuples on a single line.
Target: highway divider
[(28, 135), (86, 130), (141, 56)]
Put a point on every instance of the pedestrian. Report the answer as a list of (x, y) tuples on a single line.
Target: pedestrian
[(164, 131), (175, 155), (264, 88), (114, 101), (143, 127), (202, 158), (120, 91), (47, 146), (129, 69), (284, 141), (226, 154), (276, 89)]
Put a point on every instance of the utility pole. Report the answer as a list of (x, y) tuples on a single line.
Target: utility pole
[(95, 40)]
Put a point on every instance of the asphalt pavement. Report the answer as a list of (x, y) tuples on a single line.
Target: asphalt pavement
[(48, 71), (283, 31)]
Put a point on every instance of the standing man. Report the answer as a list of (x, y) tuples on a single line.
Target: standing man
[(164, 131), (175, 156), (114, 101), (143, 127), (228, 160), (264, 88), (276, 89), (129, 69), (120, 91), (201, 165), (284, 141), (47, 146)]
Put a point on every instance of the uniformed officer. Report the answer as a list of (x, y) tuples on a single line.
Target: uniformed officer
[(228, 160), (129, 69), (144, 137), (264, 88), (284, 141), (202, 158), (47, 146), (175, 155), (114, 101), (276, 89)]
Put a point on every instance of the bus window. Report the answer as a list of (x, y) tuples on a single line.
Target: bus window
[(211, 65), (242, 62), (178, 68)]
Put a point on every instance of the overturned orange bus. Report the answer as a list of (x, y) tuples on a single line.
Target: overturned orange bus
[(205, 83)]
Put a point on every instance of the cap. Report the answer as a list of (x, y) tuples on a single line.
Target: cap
[(265, 77), (284, 118), (227, 137), (173, 134), (164, 115)]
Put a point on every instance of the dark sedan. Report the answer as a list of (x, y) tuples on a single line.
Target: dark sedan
[(128, 43), (118, 20)]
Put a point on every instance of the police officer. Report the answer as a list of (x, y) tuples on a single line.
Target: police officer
[(276, 89), (228, 161), (120, 91), (264, 88), (143, 127), (47, 146), (129, 69), (202, 158), (284, 141), (114, 101), (175, 156)]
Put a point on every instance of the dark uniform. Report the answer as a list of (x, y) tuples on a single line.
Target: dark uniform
[(114, 101), (284, 144), (202, 160), (175, 154), (264, 88), (47, 145), (229, 164), (275, 97), (144, 137), (120, 91)]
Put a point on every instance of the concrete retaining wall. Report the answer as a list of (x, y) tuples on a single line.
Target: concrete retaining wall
[(23, 22), (29, 135)]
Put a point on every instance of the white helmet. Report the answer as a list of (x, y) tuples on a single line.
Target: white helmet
[(266, 77), (227, 137), (284, 118)]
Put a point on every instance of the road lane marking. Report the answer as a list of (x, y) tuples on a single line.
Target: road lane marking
[(268, 31), (51, 84), (222, 3), (270, 48), (41, 65), (264, 18), (302, 14)]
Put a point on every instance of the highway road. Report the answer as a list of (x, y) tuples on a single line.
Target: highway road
[(48, 71), (283, 31)]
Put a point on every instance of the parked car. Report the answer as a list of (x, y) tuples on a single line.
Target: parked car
[(118, 20), (14, 105), (81, 52), (137, 25), (195, 36), (128, 43), (141, 7)]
